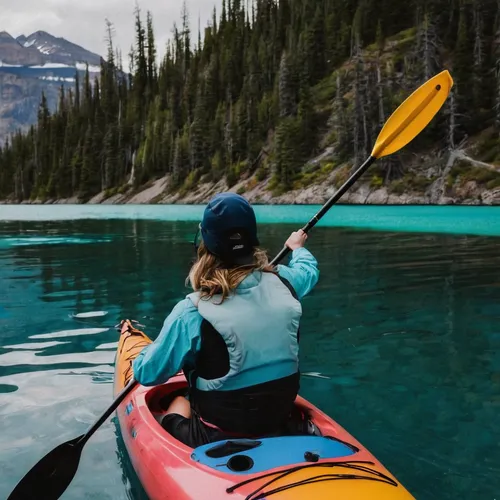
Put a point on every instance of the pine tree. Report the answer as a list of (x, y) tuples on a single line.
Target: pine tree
[(428, 50), (141, 93), (110, 156), (497, 69), (462, 64), (286, 91), (287, 152), (197, 137), (452, 121), (479, 87), (151, 56), (42, 158), (180, 165), (360, 108), (186, 40), (338, 120), (315, 46), (76, 105), (87, 183)]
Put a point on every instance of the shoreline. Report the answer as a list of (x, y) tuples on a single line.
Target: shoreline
[(69, 203), (315, 195)]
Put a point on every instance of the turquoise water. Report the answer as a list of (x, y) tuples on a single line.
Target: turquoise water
[(400, 340), (447, 219)]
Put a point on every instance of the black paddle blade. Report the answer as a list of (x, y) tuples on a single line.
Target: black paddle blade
[(50, 477)]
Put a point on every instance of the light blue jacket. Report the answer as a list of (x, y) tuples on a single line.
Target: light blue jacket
[(180, 338)]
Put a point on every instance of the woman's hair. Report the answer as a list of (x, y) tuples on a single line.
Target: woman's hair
[(210, 276)]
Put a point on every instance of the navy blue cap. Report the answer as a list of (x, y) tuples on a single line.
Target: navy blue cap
[(229, 228)]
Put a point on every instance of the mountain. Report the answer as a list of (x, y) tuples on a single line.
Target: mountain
[(34, 64), (57, 50), (12, 52)]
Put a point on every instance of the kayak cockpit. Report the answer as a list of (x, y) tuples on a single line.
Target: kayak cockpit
[(318, 443), (159, 398), (257, 454)]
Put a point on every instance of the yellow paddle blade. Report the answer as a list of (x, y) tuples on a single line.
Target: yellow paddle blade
[(413, 115)]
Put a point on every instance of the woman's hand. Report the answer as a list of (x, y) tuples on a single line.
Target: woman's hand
[(127, 326), (296, 240)]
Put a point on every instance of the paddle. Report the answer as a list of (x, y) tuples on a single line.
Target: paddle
[(401, 128), (50, 477)]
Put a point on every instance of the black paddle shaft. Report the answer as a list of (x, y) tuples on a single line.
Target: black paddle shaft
[(50, 477), (329, 204), (116, 403)]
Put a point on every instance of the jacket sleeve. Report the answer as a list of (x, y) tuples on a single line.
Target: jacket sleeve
[(302, 271), (178, 340)]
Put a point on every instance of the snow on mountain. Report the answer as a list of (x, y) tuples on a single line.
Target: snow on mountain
[(5, 65), (50, 66), (57, 50), (92, 68), (80, 66), (29, 44), (57, 79)]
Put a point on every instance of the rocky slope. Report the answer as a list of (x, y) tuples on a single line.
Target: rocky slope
[(450, 182), (453, 178), (13, 53)]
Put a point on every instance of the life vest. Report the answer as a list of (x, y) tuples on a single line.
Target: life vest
[(247, 372)]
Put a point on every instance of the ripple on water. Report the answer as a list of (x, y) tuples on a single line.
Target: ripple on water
[(110, 345), (36, 358), (91, 314), (65, 294), (69, 333), (34, 346), (48, 240), (315, 375)]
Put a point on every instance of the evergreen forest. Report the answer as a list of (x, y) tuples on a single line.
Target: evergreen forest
[(261, 90)]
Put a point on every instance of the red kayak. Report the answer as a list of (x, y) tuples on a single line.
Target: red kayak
[(331, 466)]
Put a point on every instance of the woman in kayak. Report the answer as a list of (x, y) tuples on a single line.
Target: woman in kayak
[(237, 336)]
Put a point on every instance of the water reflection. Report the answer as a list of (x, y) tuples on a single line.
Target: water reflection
[(129, 477)]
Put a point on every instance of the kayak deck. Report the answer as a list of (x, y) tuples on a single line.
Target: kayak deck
[(333, 465)]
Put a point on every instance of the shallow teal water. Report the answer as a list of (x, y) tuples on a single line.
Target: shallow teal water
[(403, 329)]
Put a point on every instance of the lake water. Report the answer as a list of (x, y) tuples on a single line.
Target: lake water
[(403, 328)]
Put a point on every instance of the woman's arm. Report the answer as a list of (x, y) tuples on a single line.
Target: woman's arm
[(302, 271), (179, 338)]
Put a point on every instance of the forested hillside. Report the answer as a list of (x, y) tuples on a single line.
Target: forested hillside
[(261, 92)]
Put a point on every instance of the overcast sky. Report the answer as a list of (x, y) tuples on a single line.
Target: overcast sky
[(82, 21)]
